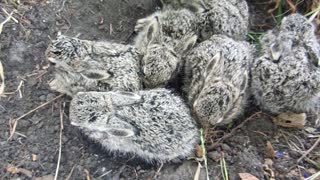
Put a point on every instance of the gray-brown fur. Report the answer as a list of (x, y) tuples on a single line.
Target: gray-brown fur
[(81, 65), (225, 17), (286, 76), (163, 37), (155, 125), (216, 78)]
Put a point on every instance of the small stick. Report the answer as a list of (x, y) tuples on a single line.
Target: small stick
[(309, 150), (6, 12), (71, 172), (60, 143), (15, 121), (210, 148)]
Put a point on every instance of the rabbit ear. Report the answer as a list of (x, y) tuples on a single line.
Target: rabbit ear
[(276, 51), (199, 6), (153, 30), (190, 42), (120, 132), (244, 84), (123, 98), (215, 67)]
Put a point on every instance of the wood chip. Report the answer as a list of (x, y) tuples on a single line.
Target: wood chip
[(34, 157), (290, 119), (247, 176)]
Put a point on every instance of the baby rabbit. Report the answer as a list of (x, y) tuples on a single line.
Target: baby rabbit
[(155, 125), (82, 65), (227, 17), (286, 76), (164, 36), (216, 79), (193, 5)]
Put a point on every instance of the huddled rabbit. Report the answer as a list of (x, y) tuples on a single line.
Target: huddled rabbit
[(286, 76), (162, 38), (81, 65), (155, 125), (216, 79)]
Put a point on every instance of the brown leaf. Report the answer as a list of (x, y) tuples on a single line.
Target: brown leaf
[(247, 176), (199, 153), (289, 119), (270, 153)]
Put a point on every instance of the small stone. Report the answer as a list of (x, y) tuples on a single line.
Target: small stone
[(50, 96), (214, 155), (225, 147), (43, 97)]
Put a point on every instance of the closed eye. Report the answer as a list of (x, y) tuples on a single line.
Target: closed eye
[(121, 132)]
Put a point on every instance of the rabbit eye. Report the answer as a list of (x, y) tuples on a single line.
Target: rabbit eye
[(94, 75), (121, 132)]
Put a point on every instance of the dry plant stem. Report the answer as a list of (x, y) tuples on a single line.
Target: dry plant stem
[(60, 143), (15, 121), (210, 148), (70, 174), (87, 174), (309, 150)]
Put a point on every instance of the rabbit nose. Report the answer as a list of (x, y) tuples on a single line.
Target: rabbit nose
[(52, 61)]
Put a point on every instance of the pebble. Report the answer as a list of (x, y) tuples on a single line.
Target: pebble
[(214, 155), (226, 147)]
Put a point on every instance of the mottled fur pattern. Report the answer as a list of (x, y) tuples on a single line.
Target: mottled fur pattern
[(286, 76), (216, 78), (163, 37), (226, 17), (156, 125), (193, 5), (82, 65)]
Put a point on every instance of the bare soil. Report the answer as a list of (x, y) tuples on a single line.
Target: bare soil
[(34, 148)]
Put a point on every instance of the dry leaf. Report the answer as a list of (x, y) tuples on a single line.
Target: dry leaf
[(47, 177), (289, 119), (247, 176), (270, 153), (197, 174), (199, 153)]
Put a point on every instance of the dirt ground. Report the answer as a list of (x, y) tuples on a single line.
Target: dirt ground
[(33, 151)]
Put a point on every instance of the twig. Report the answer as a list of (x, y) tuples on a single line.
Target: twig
[(104, 174), (14, 19), (70, 174), (309, 150), (158, 171), (210, 148), (5, 21), (15, 121), (60, 143)]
